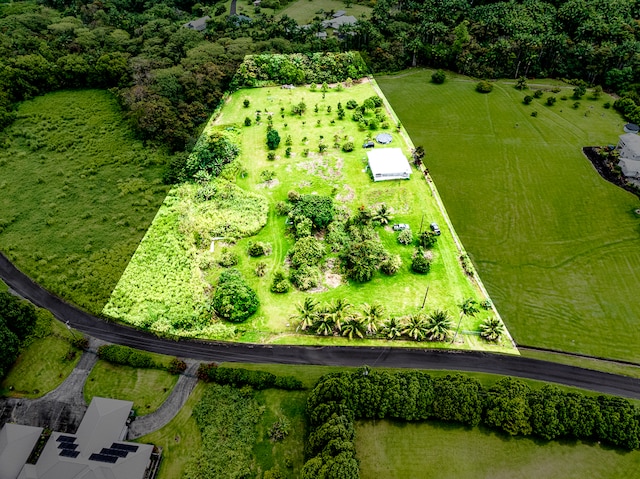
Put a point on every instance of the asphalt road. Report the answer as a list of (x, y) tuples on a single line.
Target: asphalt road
[(330, 355)]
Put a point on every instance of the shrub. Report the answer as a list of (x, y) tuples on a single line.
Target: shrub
[(287, 152), (267, 175), (351, 105), (438, 77), (126, 356), (427, 239), (527, 100), (376, 100), (258, 249), (405, 237), (534, 114), (484, 87), (279, 283), (261, 269), (576, 105), (233, 299), (307, 251), (305, 277), (273, 139), (347, 146), (271, 155), (247, 121), (607, 105), (420, 264), (538, 93), (283, 208), (246, 103), (551, 100), (228, 258), (579, 91), (391, 265), (177, 366)]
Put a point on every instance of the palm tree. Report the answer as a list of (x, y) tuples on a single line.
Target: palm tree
[(353, 326), (307, 313), (323, 324), (438, 325), (392, 328), (416, 327), (383, 214), (491, 329), (340, 311), (469, 307), (371, 316)]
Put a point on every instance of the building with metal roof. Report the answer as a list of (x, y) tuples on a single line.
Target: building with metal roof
[(96, 451), (388, 164)]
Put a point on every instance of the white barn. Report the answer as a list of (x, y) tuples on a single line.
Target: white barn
[(629, 148), (388, 164)]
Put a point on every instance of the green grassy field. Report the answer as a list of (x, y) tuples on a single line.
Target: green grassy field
[(431, 450), (77, 193), (557, 246), (147, 388), (179, 439), (334, 173), (42, 366), (303, 12)]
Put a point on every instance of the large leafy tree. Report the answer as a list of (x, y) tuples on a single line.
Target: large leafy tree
[(233, 299)]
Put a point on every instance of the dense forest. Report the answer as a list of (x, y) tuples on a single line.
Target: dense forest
[(169, 78)]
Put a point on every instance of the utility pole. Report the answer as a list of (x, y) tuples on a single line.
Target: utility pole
[(425, 297)]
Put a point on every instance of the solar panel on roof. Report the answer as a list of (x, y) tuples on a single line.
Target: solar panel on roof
[(114, 452), (67, 445), (69, 453), (65, 439), (103, 458), (124, 447)]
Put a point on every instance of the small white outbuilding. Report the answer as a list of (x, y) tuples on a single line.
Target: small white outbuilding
[(388, 164)]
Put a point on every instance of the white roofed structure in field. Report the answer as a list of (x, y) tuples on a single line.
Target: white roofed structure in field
[(388, 164)]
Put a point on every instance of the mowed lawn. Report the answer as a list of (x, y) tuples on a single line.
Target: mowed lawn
[(304, 12), (442, 451), (77, 193), (557, 246)]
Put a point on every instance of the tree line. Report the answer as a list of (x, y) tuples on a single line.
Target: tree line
[(509, 406), (169, 78)]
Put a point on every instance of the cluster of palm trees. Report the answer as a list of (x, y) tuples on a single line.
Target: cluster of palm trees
[(340, 318)]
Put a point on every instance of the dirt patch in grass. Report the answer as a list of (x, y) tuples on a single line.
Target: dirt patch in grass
[(269, 184), (348, 195)]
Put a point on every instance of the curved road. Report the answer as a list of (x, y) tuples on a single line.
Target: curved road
[(332, 355)]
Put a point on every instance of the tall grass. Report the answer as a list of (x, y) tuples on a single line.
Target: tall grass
[(77, 193)]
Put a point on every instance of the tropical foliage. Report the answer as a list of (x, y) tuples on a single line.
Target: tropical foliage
[(233, 299)]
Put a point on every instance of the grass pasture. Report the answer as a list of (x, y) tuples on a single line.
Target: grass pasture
[(431, 450), (77, 193), (147, 388), (557, 247), (335, 173), (43, 365)]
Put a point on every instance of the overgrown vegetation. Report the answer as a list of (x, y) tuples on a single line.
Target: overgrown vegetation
[(78, 193), (227, 419)]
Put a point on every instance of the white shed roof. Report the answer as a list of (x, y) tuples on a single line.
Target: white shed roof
[(629, 168), (388, 164)]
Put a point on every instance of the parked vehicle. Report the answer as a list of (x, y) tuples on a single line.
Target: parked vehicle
[(435, 228), (400, 227)]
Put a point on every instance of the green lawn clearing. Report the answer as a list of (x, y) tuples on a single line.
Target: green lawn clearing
[(557, 246), (169, 279), (44, 365), (303, 12), (77, 194), (179, 439), (147, 388), (433, 450)]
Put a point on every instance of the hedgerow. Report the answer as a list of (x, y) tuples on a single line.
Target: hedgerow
[(239, 377), (510, 406)]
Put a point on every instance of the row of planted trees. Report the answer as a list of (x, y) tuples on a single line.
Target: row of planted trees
[(340, 318)]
